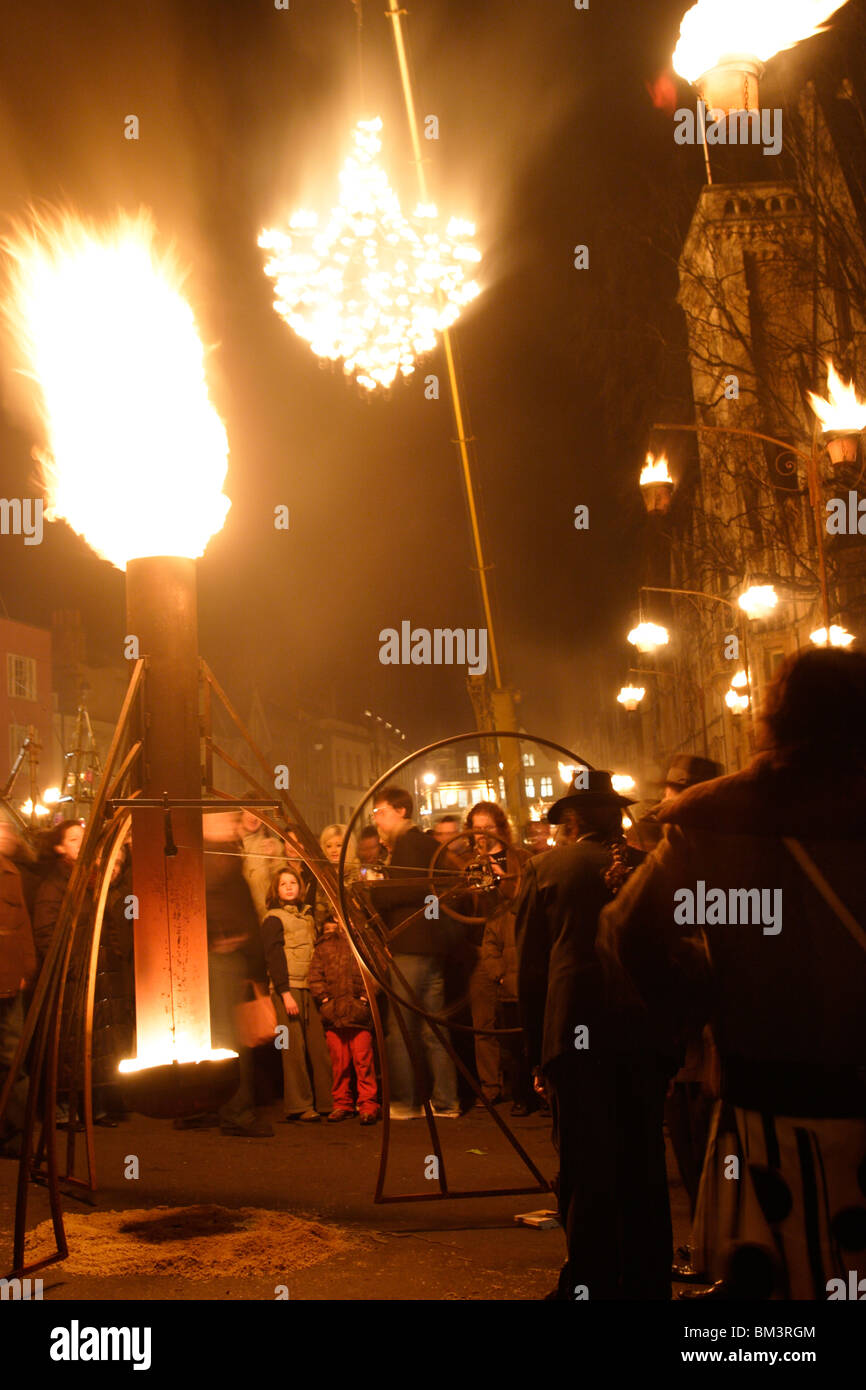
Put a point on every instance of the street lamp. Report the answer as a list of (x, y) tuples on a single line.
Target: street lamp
[(758, 601), (839, 636), (648, 637), (657, 485), (843, 418), (630, 696)]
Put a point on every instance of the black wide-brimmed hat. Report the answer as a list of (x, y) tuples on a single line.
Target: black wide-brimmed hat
[(589, 787), (686, 770)]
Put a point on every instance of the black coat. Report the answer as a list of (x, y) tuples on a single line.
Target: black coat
[(559, 976), (397, 902)]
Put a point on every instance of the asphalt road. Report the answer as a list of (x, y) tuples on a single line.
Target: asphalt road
[(450, 1249)]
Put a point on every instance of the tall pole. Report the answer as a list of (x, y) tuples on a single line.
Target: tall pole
[(502, 703), (395, 13)]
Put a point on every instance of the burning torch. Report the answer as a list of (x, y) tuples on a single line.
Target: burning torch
[(134, 460)]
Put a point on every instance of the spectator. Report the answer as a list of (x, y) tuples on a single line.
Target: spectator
[(491, 844), (607, 1092), (262, 857), (234, 960), (446, 828), (784, 989), (17, 972), (337, 987), (62, 845), (289, 935), (331, 841), (536, 836), (419, 943), (371, 852)]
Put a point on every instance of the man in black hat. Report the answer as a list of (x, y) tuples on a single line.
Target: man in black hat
[(606, 1090), (686, 770)]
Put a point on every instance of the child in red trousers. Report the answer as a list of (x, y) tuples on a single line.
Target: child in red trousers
[(338, 989)]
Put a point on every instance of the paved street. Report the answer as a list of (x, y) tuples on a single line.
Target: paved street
[(456, 1249)]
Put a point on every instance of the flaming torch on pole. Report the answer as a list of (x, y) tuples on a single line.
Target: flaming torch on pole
[(724, 45), (134, 459)]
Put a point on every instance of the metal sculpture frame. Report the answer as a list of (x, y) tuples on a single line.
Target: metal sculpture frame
[(38, 1053)]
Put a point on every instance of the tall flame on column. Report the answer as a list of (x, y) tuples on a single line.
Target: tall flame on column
[(135, 454), (373, 286), (713, 30)]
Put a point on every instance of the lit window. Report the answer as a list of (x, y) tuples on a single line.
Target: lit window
[(463, 799), (529, 760), (546, 786), (473, 764), (529, 784), (20, 677), (502, 789)]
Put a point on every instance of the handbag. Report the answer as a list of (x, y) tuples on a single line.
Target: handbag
[(256, 1018)]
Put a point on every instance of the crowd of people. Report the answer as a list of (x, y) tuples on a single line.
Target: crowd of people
[(592, 987)]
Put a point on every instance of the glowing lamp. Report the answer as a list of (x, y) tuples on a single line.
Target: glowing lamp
[(724, 44), (740, 680), (648, 637), (843, 418), (657, 485), (622, 783), (839, 637), (630, 696), (758, 601), (736, 703)]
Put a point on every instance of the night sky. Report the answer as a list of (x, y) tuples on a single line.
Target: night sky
[(548, 138)]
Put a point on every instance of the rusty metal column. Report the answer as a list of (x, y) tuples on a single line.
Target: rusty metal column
[(171, 961)]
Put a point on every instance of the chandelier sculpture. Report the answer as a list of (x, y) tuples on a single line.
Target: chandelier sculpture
[(372, 285)]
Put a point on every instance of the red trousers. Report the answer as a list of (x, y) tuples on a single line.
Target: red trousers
[(348, 1046)]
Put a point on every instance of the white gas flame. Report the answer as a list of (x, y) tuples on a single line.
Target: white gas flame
[(134, 455), (713, 30)]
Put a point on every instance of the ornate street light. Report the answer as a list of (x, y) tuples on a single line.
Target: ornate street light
[(843, 418), (630, 696), (736, 702), (657, 485), (758, 601), (648, 637), (724, 44), (839, 636)]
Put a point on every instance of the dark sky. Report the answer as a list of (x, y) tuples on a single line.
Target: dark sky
[(548, 138)]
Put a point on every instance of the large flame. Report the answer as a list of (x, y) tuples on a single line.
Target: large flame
[(842, 410), (715, 29), (134, 455), (374, 286), (655, 470)]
